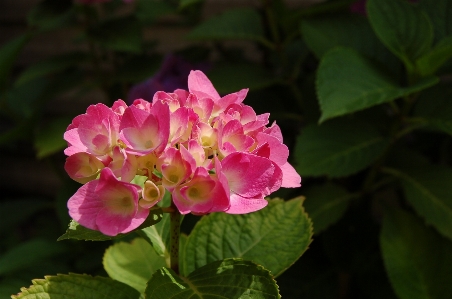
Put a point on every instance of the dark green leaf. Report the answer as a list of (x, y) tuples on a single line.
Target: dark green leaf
[(402, 27), (77, 286), (24, 100), (326, 204), (337, 148), (229, 78), (147, 11), (347, 82), (27, 254), (243, 23), (274, 237), (440, 13), (132, 263), (79, 232), (26, 206), (183, 4), (417, 259), (428, 190), (228, 279), (49, 138), (431, 61), (51, 14), (8, 54)]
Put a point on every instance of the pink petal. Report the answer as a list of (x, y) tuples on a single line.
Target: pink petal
[(290, 179), (241, 205), (200, 85)]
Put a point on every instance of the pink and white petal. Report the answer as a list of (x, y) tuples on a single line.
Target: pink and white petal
[(200, 85), (290, 179), (84, 205), (242, 205), (279, 152)]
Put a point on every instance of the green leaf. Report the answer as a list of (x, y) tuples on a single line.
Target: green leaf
[(79, 232), (52, 65), (230, 278), (228, 78), (243, 23), (337, 148), (440, 13), (431, 61), (24, 100), (404, 29), (26, 254), (49, 138), (183, 4), (147, 11), (434, 105), (132, 263), (51, 14), (326, 204), (347, 82), (159, 236), (8, 54), (428, 189), (122, 34), (322, 34), (417, 259), (274, 237), (77, 286)]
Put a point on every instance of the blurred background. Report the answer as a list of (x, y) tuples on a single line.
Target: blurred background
[(360, 90)]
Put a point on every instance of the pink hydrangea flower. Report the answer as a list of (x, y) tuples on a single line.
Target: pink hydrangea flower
[(212, 153)]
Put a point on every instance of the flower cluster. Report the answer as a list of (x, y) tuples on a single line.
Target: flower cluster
[(212, 153)]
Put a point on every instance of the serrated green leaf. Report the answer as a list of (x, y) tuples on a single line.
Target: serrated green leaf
[(348, 82), (229, 78), (431, 61), (274, 237), (79, 232), (440, 13), (147, 11), (49, 138), (122, 34), (323, 33), (132, 263), (417, 259), (228, 279), (77, 286), (337, 148), (52, 65), (243, 23), (428, 189), (159, 236), (8, 54), (26, 254), (404, 29), (326, 204)]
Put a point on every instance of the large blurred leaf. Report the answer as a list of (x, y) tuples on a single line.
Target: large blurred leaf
[(229, 78), (51, 14), (337, 148), (79, 232), (27, 254), (402, 27), (440, 13), (347, 82), (49, 138), (243, 23), (326, 204), (230, 278), (51, 65), (350, 30), (274, 237), (428, 189), (147, 11), (418, 261), (24, 100), (121, 34), (132, 263), (8, 54), (77, 286), (430, 62)]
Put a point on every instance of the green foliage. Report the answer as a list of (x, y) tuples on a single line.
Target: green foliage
[(230, 278), (49, 138), (132, 263), (417, 259), (149, 10), (347, 82), (8, 53), (77, 286), (338, 148), (281, 227)]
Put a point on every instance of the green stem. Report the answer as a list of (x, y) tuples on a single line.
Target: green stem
[(174, 238)]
